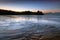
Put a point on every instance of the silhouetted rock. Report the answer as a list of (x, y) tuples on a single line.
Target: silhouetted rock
[(40, 13), (8, 12)]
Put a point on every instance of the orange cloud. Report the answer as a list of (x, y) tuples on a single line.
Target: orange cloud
[(47, 11)]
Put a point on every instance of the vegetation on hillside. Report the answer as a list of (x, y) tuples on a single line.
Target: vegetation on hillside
[(8, 12)]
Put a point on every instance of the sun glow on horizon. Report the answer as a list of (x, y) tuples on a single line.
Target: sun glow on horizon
[(12, 9), (33, 10)]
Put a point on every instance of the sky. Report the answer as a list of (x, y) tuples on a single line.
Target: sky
[(31, 5)]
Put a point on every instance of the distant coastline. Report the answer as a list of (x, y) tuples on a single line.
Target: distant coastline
[(8, 12)]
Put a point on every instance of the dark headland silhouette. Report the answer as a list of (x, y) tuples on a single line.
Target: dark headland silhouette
[(8, 12)]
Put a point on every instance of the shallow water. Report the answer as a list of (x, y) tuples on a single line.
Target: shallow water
[(16, 22), (10, 23)]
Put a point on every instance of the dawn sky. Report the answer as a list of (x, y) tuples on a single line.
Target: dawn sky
[(32, 5)]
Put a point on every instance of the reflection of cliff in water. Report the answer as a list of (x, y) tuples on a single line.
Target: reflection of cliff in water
[(30, 27)]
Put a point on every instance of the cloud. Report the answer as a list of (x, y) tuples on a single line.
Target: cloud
[(25, 0), (13, 1)]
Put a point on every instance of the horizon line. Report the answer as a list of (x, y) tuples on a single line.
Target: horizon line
[(44, 11)]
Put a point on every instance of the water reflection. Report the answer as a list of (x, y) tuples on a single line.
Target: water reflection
[(16, 22)]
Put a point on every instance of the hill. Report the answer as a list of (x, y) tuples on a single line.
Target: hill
[(8, 12)]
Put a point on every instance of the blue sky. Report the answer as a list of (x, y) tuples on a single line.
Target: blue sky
[(30, 5)]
